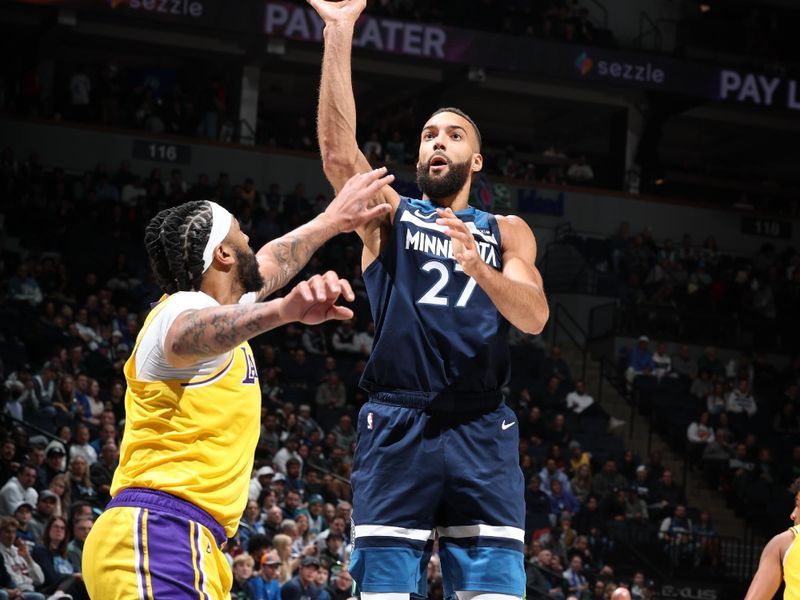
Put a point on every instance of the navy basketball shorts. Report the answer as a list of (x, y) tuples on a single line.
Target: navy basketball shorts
[(420, 475)]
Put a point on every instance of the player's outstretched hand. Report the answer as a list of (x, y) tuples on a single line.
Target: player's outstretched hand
[(312, 301), (465, 251), (339, 11), (354, 205)]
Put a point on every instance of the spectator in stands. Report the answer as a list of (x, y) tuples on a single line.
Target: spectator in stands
[(562, 502), (25, 574), (342, 586), (577, 585), (710, 362), (250, 523), (699, 434), (242, 569), (741, 401), (81, 527), (717, 400), (51, 555), (557, 433), (303, 586), (537, 506), (707, 541), (262, 480), (24, 288), (533, 428), (608, 479), (46, 507), (81, 446), (666, 496), (580, 173), (682, 363), (551, 472), (640, 361), (614, 504), (581, 403), (555, 366), (676, 533), (289, 450), (581, 484), (344, 432), (343, 339), (552, 398), (79, 484), (662, 361), (19, 489), (702, 385), (266, 585), (331, 395), (555, 583)]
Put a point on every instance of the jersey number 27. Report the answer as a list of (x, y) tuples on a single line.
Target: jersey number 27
[(432, 296)]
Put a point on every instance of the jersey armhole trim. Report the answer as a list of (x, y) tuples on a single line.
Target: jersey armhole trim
[(215, 376)]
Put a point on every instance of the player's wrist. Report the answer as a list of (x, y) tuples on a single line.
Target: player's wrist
[(331, 221)]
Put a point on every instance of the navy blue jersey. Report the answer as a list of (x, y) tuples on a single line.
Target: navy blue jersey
[(436, 331)]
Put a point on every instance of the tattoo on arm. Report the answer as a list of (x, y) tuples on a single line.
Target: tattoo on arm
[(214, 331), (290, 253)]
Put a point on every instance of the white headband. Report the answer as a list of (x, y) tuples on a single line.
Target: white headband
[(221, 221)]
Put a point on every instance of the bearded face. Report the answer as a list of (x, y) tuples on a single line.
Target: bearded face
[(437, 186), (249, 276)]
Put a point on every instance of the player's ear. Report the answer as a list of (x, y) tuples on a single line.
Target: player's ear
[(224, 254), (477, 162)]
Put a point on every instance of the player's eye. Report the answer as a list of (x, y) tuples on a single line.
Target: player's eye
[(456, 136)]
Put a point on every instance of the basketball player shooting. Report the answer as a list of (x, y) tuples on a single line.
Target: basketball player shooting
[(193, 402), (437, 447), (780, 560)]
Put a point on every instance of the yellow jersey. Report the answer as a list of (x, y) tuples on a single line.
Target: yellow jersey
[(791, 568), (193, 439)]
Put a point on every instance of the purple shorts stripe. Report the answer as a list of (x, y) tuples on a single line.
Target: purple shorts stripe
[(169, 546), (140, 554), (200, 554)]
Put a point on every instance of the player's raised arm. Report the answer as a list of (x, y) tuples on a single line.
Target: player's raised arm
[(282, 258), (517, 291), (767, 579), (199, 334), (336, 121)]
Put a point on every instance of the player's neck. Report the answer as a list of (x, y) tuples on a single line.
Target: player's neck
[(456, 202), (221, 286)]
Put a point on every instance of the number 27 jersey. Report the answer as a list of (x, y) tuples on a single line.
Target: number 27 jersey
[(436, 331)]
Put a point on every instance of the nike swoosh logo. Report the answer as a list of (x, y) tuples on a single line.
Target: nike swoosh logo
[(505, 425), (422, 216)]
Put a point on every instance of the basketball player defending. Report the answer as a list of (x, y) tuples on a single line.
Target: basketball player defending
[(193, 402), (437, 448), (780, 560)]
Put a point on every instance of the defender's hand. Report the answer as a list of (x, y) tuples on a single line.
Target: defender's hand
[(312, 302), (339, 11), (352, 206), (465, 251)]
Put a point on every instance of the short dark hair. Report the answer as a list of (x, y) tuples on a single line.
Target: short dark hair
[(461, 113), (795, 487)]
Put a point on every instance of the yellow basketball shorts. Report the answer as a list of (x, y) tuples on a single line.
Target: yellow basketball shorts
[(144, 553)]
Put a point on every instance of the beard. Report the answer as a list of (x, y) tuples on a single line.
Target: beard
[(445, 186), (249, 276)]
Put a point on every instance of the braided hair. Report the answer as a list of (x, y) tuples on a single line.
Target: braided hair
[(175, 239)]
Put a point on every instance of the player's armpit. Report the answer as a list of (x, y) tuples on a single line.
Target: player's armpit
[(767, 579)]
